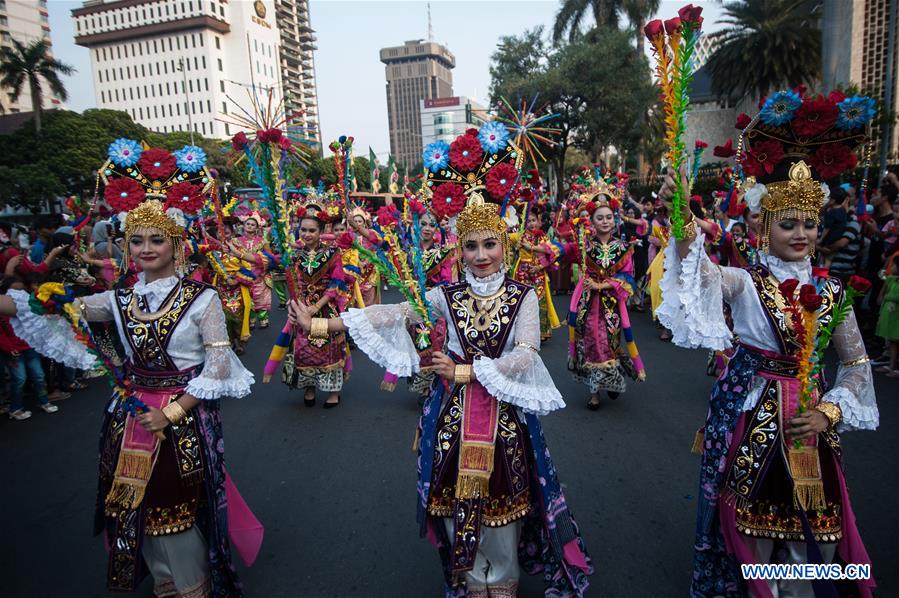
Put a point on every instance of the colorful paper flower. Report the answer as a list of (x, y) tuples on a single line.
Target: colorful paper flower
[(123, 194), (157, 164), (387, 216), (814, 116), (190, 158), (780, 107), (465, 153), (345, 240), (833, 160), (788, 287), (672, 26), (743, 121), (763, 157), (239, 141), (493, 136), (448, 200), (654, 29), (856, 111), (416, 207), (436, 156), (809, 297), (124, 152), (859, 284), (501, 180), (725, 151), (699, 144), (187, 197), (691, 14)]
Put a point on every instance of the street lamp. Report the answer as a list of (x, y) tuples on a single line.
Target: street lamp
[(190, 123)]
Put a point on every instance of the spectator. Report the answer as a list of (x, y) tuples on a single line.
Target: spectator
[(844, 253), (13, 262), (22, 363), (888, 322), (835, 218), (46, 225)]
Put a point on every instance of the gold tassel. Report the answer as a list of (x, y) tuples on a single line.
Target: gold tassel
[(472, 486), (477, 457), (808, 487), (698, 442), (131, 476)]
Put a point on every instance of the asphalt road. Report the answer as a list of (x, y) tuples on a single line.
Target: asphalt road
[(336, 488)]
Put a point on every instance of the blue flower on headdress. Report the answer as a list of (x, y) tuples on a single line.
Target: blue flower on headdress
[(124, 152), (436, 156), (190, 158), (493, 136), (855, 112), (779, 108)]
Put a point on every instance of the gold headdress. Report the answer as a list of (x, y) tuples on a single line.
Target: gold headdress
[(793, 146)]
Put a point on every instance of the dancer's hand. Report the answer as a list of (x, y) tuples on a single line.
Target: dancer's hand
[(153, 420), (808, 424), (443, 365), (298, 313)]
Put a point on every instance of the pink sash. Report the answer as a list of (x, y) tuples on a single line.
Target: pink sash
[(480, 417)]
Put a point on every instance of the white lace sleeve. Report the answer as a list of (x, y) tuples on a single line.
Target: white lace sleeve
[(520, 377), (693, 293), (853, 389), (223, 374), (380, 332), (51, 336)]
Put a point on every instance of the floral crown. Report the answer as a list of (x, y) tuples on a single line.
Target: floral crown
[(154, 186), (795, 144), (480, 160)]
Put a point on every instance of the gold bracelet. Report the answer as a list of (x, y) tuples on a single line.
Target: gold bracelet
[(832, 411), (525, 345), (462, 374), (318, 328), (217, 344), (174, 412), (858, 361), (689, 229)]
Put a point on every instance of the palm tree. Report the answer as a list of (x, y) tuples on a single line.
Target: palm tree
[(32, 65), (768, 44), (638, 12), (569, 17)]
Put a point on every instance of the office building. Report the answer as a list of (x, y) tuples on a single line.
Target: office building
[(418, 70), (444, 119), (25, 21), (298, 65), (173, 64)]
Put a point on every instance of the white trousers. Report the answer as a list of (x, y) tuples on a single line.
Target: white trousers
[(179, 563), (763, 550), (496, 564)]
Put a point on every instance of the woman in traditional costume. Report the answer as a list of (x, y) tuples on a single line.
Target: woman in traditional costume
[(162, 485), (489, 499), (537, 254), (771, 481), (368, 280), (233, 279), (319, 361), (598, 317), (254, 249)]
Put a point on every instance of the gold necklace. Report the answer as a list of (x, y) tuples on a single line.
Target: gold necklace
[(485, 309), (135, 312)]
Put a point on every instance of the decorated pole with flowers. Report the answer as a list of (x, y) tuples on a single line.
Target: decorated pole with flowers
[(674, 70)]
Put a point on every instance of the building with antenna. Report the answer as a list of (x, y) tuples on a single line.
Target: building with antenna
[(416, 71), (173, 64)]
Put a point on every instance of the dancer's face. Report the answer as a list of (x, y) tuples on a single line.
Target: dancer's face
[(793, 238), (483, 256), (251, 227), (533, 221), (152, 251), (603, 220), (754, 220), (310, 232), (338, 228), (428, 227)]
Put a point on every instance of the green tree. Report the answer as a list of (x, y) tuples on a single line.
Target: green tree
[(572, 12), (638, 12), (767, 44), (33, 66)]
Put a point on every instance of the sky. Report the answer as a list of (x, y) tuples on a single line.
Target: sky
[(350, 77)]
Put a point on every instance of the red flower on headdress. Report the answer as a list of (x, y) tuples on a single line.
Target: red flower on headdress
[(501, 180), (725, 151), (466, 153), (763, 157), (387, 216), (743, 121), (185, 196), (614, 204), (809, 297), (123, 194), (832, 160), (836, 96), (301, 212), (788, 287), (700, 144), (815, 116), (448, 200), (859, 284), (672, 26), (654, 29), (416, 207), (157, 164), (800, 89), (239, 141)]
